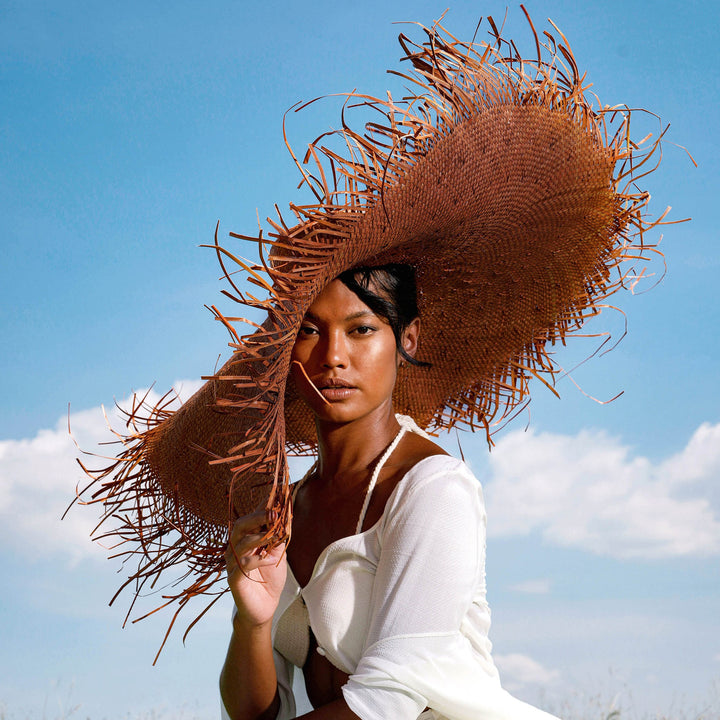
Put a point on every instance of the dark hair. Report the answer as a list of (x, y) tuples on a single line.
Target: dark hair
[(390, 292)]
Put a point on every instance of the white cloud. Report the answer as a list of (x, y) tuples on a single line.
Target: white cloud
[(589, 491), (518, 671), (38, 477), (540, 586)]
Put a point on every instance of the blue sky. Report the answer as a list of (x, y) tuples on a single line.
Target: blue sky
[(128, 130)]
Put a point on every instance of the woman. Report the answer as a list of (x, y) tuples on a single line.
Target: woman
[(388, 541), (512, 195)]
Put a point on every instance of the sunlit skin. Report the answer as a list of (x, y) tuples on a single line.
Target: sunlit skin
[(350, 356)]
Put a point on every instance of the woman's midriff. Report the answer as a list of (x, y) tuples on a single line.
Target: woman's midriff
[(323, 681)]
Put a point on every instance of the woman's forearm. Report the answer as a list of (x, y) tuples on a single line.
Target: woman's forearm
[(248, 683)]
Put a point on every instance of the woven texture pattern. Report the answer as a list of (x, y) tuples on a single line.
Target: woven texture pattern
[(513, 197)]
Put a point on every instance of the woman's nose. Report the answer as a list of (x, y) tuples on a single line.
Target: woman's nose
[(335, 351)]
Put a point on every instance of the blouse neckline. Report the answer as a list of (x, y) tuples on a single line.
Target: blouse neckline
[(321, 557)]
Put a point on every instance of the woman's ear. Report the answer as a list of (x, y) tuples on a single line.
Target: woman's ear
[(410, 337)]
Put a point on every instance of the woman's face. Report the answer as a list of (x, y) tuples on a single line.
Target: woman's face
[(349, 354)]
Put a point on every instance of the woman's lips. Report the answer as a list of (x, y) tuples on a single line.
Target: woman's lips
[(335, 389), (337, 392)]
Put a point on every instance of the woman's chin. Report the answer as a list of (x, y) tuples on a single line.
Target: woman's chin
[(336, 412), (344, 413)]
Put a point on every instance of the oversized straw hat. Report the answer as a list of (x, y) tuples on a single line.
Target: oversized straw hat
[(511, 194)]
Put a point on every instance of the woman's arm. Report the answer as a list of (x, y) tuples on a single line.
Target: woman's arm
[(248, 684), (248, 681)]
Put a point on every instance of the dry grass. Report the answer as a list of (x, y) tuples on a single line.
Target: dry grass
[(62, 706), (622, 706)]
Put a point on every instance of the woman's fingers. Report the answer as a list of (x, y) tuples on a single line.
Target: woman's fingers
[(255, 561), (247, 557), (249, 524), (250, 548), (243, 547), (246, 533)]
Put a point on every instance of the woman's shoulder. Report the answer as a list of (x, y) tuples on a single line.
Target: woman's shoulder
[(437, 477), (438, 468), (417, 447), (437, 493), (422, 457)]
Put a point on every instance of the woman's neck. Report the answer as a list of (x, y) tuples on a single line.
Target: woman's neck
[(347, 452)]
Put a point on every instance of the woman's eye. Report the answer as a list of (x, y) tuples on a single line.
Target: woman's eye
[(363, 330), (307, 330)]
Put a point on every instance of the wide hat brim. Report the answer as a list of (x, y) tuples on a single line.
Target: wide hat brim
[(510, 194)]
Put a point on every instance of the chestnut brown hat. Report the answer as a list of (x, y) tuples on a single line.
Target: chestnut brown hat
[(511, 194)]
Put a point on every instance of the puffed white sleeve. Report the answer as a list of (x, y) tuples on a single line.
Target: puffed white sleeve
[(430, 579)]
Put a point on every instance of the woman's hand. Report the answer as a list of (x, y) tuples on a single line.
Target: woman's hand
[(256, 577), (248, 682)]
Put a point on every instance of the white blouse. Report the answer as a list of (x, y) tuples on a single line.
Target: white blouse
[(401, 607)]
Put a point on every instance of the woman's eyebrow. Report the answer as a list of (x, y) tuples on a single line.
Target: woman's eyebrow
[(359, 314), (353, 316)]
